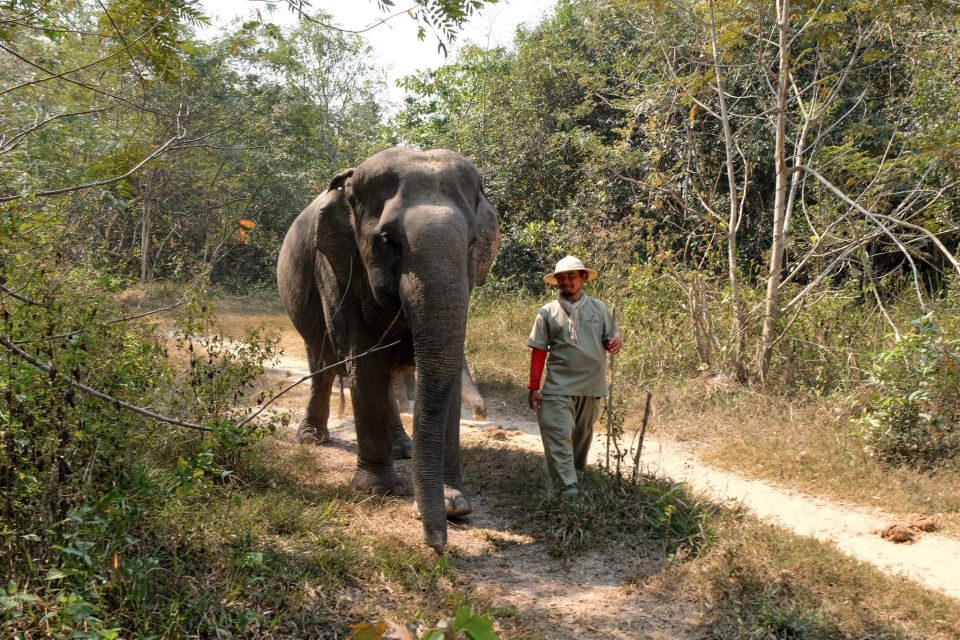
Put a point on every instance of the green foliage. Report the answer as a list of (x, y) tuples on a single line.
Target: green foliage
[(79, 476), (913, 413), (249, 127), (465, 625), (599, 134)]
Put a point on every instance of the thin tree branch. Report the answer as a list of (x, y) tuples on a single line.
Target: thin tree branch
[(316, 373), (297, 8), (42, 366), (99, 183), (7, 147), (22, 298), (139, 107), (106, 323), (903, 223)]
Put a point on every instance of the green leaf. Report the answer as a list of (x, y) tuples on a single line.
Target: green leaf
[(367, 631), (476, 627), (58, 574)]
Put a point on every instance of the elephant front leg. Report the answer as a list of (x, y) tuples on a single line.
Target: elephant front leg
[(313, 429), (371, 409), (456, 501)]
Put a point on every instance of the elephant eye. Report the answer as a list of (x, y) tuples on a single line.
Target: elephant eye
[(387, 242)]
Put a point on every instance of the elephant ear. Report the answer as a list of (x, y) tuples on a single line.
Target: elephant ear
[(337, 256), (339, 181), (488, 237)]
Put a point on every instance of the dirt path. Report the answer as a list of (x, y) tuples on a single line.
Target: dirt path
[(932, 560), (585, 597)]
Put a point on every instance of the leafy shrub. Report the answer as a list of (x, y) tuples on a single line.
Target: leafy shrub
[(913, 411), (79, 476)]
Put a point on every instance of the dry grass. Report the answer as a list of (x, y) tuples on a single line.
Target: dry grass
[(805, 444), (758, 581)]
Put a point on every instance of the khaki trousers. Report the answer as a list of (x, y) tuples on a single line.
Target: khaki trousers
[(566, 427)]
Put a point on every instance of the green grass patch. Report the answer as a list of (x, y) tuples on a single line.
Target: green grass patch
[(650, 513)]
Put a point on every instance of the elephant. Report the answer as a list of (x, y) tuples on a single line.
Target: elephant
[(403, 391), (376, 276)]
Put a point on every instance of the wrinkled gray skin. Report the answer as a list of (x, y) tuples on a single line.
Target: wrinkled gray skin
[(390, 253)]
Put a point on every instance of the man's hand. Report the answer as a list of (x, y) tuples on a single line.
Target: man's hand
[(534, 399), (613, 345)]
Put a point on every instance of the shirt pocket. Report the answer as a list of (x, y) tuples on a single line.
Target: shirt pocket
[(591, 324)]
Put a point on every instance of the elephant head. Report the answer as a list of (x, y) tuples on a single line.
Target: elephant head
[(424, 233)]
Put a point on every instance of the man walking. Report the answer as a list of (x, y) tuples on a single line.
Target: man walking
[(575, 330)]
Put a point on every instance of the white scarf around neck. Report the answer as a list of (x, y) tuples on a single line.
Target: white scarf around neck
[(573, 311)]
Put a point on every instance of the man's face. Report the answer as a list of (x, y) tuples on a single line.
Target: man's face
[(570, 283)]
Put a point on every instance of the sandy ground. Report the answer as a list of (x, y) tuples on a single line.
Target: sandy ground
[(518, 572)]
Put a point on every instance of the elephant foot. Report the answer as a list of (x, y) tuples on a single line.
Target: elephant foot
[(383, 484), (310, 432), (455, 502)]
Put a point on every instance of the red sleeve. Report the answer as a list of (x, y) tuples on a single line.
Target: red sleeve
[(537, 358)]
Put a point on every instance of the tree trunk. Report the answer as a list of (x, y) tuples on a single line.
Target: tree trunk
[(772, 306), (145, 227), (733, 221)]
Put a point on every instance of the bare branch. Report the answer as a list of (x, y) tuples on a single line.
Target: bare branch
[(316, 373), (7, 147), (106, 323), (120, 404), (868, 270), (20, 297), (297, 8), (139, 107), (879, 216), (99, 183)]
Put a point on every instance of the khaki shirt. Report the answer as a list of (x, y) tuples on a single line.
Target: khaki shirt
[(574, 369)]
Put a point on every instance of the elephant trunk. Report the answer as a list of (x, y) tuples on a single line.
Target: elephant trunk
[(435, 304)]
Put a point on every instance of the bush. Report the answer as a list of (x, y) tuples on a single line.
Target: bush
[(913, 411), (79, 476)]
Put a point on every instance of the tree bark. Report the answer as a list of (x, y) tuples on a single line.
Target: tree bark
[(733, 221), (772, 305), (145, 227)]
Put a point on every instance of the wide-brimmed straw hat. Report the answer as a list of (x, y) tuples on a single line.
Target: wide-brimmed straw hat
[(569, 263)]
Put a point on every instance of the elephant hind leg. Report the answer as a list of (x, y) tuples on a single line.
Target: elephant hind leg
[(313, 429), (402, 444), (471, 395)]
